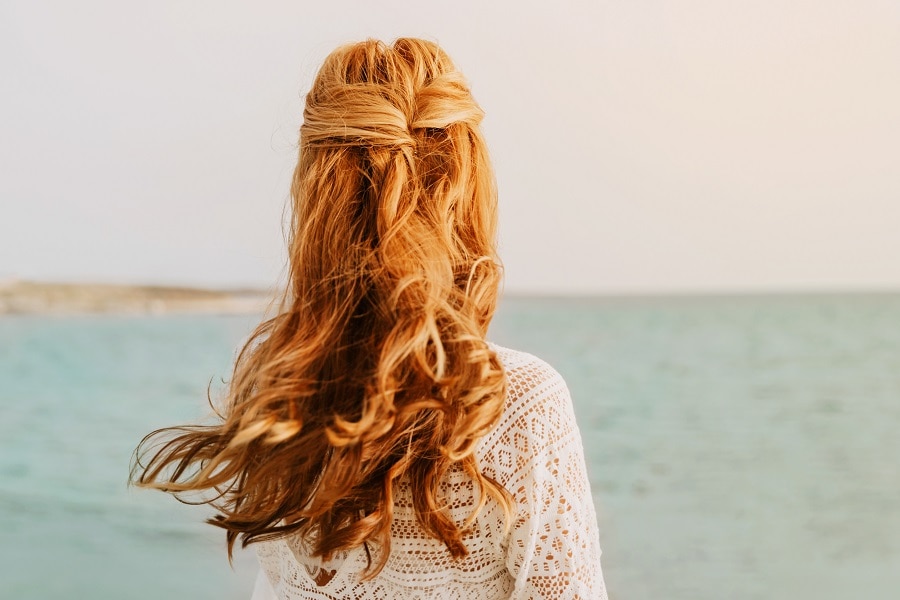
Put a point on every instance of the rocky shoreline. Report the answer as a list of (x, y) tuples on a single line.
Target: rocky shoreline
[(38, 298)]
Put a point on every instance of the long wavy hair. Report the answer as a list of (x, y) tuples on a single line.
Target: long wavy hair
[(376, 366)]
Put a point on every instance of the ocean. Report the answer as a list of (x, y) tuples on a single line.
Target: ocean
[(738, 447)]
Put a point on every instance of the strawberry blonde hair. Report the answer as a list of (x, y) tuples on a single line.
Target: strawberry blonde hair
[(376, 367)]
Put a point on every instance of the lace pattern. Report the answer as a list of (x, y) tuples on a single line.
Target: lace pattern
[(552, 550)]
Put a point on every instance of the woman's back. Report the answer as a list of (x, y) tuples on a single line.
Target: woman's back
[(551, 551), (372, 443)]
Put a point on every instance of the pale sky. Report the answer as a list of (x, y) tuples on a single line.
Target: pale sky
[(640, 146)]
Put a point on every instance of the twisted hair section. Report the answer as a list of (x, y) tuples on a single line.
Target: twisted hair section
[(376, 367)]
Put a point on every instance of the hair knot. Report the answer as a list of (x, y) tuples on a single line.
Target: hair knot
[(355, 115), (444, 101)]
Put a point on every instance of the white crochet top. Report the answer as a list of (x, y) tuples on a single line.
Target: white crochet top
[(552, 550)]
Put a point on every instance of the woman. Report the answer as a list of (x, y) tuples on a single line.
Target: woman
[(373, 444)]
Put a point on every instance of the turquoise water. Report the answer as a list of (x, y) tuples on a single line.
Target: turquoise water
[(741, 447)]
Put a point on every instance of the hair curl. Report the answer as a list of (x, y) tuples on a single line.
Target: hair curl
[(376, 366)]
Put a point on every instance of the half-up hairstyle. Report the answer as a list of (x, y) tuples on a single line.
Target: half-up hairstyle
[(376, 367)]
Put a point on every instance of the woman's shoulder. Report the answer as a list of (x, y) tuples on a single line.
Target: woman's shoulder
[(538, 416), (518, 359), (527, 373)]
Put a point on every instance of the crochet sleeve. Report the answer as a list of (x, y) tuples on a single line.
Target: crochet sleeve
[(554, 547)]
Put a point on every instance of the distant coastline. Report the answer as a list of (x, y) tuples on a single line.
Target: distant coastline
[(40, 298), (60, 298)]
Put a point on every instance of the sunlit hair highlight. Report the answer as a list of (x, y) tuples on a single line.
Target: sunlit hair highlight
[(376, 368)]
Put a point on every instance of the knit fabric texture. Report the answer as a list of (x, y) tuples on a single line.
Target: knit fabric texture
[(552, 548)]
